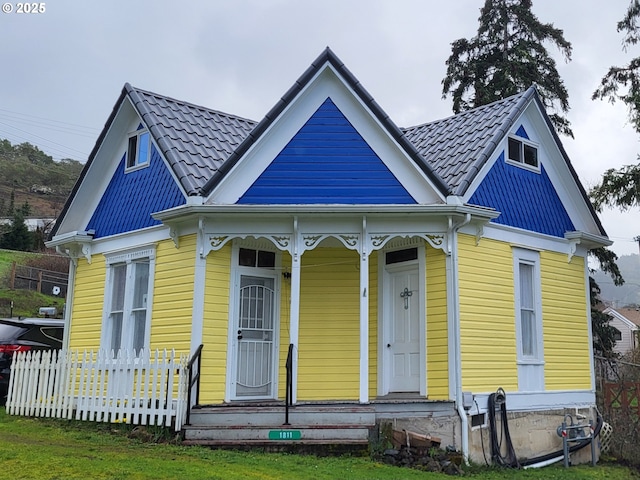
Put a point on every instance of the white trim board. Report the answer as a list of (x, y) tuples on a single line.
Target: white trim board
[(537, 401)]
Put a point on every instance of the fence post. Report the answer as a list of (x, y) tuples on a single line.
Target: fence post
[(39, 287), (12, 281)]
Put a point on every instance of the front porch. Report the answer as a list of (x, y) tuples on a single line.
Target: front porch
[(362, 296)]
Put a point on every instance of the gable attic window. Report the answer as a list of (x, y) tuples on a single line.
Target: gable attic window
[(523, 153), (139, 150)]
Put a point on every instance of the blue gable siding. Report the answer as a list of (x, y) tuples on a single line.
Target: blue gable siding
[(131, 198), (327, 162), (521, 132), (525, 199)]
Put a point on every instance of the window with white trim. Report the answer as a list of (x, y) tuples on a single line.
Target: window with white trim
[(617, 334), (528, 316), (523, 152), (139, 150), (128, 300)]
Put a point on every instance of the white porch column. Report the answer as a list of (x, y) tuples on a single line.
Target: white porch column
[(294, 314), (364, 315)]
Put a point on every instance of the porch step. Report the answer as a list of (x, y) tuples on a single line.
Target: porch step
[(276, 435), (263, 424), (273, 416)]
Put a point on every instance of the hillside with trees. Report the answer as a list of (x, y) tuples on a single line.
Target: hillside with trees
[(34, 179)]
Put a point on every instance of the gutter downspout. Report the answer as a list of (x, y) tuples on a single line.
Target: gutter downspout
[(452, 233), (68, 304)]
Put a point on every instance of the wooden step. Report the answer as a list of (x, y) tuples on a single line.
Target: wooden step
[(255, 435), (274, 416)]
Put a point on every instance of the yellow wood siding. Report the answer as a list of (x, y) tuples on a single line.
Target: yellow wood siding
[(88, 296), (329, 346), (565, 322), (171, 316), (215, 323), (437, 326), (487, 315)]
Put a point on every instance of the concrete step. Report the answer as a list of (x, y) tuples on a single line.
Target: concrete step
[(262, 435), (272, 416)]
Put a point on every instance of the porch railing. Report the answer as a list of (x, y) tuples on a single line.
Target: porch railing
[(193, 367), (144, 388), (289, 388)]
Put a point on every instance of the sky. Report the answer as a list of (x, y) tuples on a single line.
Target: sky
[(62, 69)]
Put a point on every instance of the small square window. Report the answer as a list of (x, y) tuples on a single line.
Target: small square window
[(139, 149), (617, 335), (256, 258), (522, 152), (398, 256), (247, 257), (514, 150), (266, 259), (530, 155), (131, 153)]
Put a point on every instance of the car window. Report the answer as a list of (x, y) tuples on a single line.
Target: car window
[(10, 332), (52, 333)]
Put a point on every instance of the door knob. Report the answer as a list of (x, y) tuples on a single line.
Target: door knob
[(388, 345)]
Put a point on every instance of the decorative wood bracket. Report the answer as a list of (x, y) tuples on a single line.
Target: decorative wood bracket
[(175, 236), (75, 251), (573, 247)]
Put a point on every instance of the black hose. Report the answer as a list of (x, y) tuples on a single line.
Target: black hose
[(573, 448), (496, 447), (511, 460)]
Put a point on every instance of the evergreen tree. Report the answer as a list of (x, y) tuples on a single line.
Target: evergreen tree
[(621, 187), (506, 57), (604, 335), (17, 236)]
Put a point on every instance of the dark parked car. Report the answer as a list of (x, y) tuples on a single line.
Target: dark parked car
[(29, 334)]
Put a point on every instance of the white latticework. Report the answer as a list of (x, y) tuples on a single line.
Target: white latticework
[(605, 437)]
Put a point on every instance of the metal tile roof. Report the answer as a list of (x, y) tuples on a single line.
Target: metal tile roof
[(457, 147), (195, 140)]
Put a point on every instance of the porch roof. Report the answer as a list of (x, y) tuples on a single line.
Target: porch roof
[(186, 212)]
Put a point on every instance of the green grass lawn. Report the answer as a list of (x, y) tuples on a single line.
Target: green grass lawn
[(55, 449)]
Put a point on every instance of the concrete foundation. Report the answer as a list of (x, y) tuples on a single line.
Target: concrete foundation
[(533, 434)]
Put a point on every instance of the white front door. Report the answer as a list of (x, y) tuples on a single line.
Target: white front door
[(254, 336), (403, 342)]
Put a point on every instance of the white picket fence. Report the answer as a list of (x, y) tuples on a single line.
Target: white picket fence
[(143, 389)]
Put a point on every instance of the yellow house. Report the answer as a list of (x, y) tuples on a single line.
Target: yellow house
[(404, 274)]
